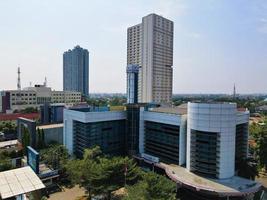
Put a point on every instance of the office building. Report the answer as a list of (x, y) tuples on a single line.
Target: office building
[(150, 45), (51, 113), (132, 83), (196, 145), (35, 97), (208, 138), (76, 70), (84, 128)]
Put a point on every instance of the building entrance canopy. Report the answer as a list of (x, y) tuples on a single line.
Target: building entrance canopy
[(18, 182)]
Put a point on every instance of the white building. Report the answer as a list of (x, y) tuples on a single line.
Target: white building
[(34, 97), (208, 138), (197, 145), (217, 136), (150, 45)]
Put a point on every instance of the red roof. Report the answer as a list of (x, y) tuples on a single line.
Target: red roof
[(14, 116)]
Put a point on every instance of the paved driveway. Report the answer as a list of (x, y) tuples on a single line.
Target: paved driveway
[(68, 194)]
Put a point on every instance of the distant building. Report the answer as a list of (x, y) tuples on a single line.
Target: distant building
[(132, 83), (12, 100), (52, 133), (76, 70), (150, 45), (261, 109), (51, 113)]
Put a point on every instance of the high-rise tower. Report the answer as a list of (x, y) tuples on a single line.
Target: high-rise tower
[(150, 45), (76, 70)]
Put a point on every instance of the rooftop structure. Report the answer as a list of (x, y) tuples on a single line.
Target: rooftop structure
[(49, 126), (8, 144), (18, 182), (234, 186)]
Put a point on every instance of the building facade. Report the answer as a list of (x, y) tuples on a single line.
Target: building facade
[(35, 97), (207, 138), (84, 129), (51, 113), (196, 146), (76, 70), (132, 83), (162, 135), (150, 45), (217, 136)]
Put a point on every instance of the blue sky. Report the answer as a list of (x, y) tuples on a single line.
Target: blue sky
[(217, 42)]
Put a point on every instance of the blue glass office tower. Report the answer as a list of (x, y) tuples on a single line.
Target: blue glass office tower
[(76, 70)]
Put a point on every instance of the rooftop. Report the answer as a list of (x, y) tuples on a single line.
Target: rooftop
[(180, 110), (19, 181), (98, 109), (8, 143), (235, 186), (50, 126)]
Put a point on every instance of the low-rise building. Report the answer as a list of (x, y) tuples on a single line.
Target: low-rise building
[(12, 100), (203, 140), (84, 129)]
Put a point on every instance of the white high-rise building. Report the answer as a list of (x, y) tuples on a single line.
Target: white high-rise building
[(150, 45)]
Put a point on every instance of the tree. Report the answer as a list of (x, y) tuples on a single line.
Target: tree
[(137, 191), (25, 139), (38, 133), (81, 171), (54, 156), (5, 163), (113, 173), (8, 127), (40, 139), (101, 175), (261, 148), (247, 168), (153, 186)]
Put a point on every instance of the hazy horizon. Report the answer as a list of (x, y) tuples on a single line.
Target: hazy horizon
[(216, 43)]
